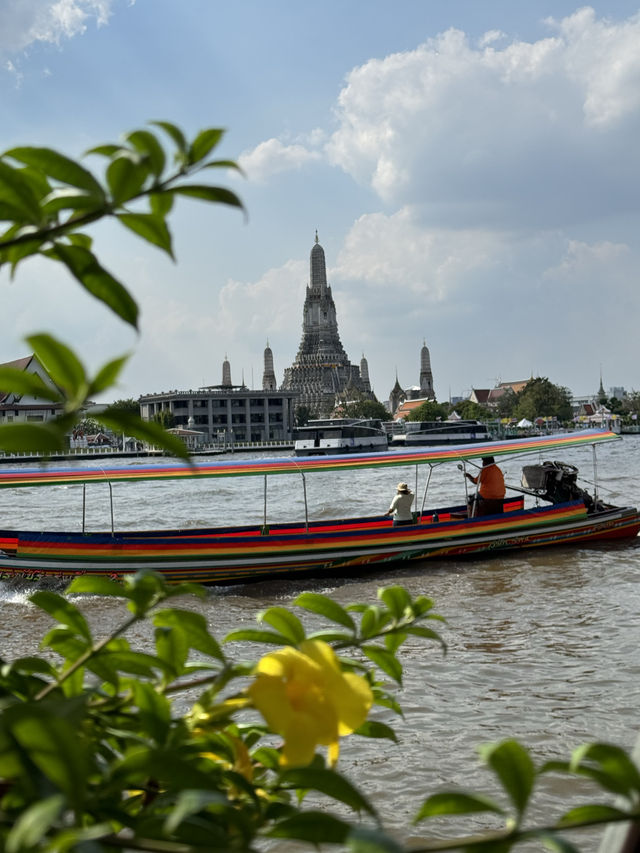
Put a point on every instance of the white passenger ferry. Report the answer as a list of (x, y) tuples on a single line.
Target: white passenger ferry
[(440, 432), (339, 435)]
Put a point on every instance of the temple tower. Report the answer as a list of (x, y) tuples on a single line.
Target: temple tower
[(364, 374), (226, 373), (426, 376), (322, 368), (269, 376)]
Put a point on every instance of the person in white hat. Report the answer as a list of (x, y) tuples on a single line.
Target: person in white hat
[(401, 506)]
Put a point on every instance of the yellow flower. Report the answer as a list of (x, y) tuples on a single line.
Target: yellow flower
[(304, 696)]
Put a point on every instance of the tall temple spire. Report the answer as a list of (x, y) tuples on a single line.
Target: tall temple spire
[(322, 368), (269, 376), (364, 373), (226, 373), (426, 376)]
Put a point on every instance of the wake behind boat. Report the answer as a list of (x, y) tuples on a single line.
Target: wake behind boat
[(561, 514)]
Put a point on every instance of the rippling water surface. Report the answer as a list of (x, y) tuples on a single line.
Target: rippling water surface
[(542, 645)]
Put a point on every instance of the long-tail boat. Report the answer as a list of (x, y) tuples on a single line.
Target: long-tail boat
[(562, 514)]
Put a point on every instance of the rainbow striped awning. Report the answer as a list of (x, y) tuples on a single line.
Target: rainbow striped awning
[(47, 475)]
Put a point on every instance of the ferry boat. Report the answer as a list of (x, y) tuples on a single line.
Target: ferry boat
[(441, 432), (339, 435)]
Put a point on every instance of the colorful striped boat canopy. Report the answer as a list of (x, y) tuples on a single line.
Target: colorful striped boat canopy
[(48, 475)]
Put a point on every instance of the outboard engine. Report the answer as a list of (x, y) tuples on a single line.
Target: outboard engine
[(556, 482)]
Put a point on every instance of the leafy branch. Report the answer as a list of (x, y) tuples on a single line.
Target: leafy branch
[(48, 199)]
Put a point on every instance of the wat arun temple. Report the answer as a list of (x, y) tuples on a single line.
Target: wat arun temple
[(322, 374)]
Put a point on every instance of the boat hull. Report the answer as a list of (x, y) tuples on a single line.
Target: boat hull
[(334, 548)]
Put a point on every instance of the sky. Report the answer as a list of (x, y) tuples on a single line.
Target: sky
[(472, 171)]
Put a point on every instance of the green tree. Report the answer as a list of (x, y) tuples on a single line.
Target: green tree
[(48, 201), (540, 398), (473, 411), (129, 405), (302, 416), (428, 411), (506, 404), (165, 418), (366, 409)]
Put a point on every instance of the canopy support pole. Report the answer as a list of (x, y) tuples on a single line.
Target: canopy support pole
[(306, 509), (595, 476), (426, 489), (84, 504), (111, 505), (265, 529)]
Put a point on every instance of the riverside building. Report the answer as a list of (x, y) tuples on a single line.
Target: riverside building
[(227, 412)]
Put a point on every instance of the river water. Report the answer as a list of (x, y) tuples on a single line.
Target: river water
[(542, 645)]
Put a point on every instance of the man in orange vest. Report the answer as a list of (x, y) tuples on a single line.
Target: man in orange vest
[(491, 490)]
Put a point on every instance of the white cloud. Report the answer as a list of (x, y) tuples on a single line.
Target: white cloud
[(471, 132), (26, 22), (272, 157)]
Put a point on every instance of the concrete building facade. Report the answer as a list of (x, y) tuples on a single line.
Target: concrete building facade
[(226, 412)]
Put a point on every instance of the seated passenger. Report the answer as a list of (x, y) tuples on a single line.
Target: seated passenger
[(491, 489), (401, 506)]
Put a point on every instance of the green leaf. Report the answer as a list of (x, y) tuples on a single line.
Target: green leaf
[(314, 827), (253, 635), (426, 634), (190, 803), (397, 600), (161, 203), (78, 239), (20, 382), (455, 803), (108, 375), (150, 227), (146, 143), (204, 142), (60, 362), (285, 622), (42, 438), (512, 764), (172, 649), (154, 710), (327, 782), (119, 420), (594, 813), (332, 636), (49, 736), (59, 167), (194, 626), (135, 663), (68, 198), (126, 175), (63, 611), (33, 823), (204, 192), (175, 133), (314, 602), (553, 841), (96, 585), (18, 196), (106, 150), (387, 661), (84, 266), (373, 620), (373, 729), (609, 765)]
